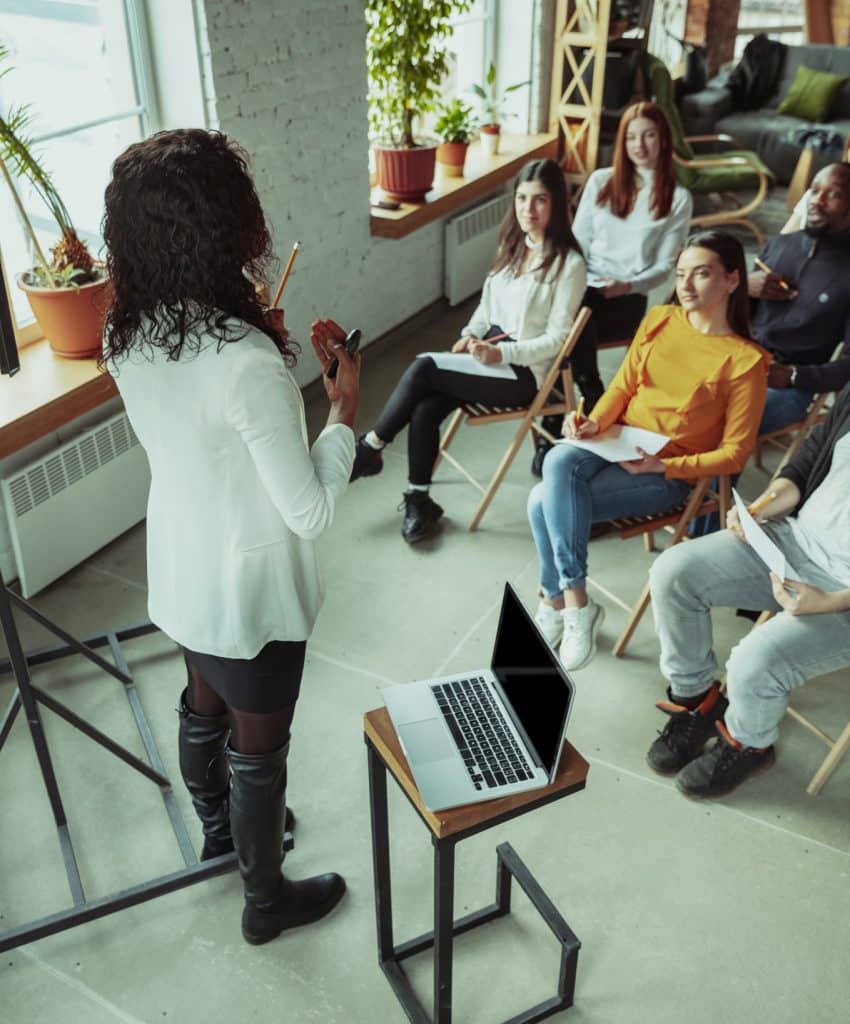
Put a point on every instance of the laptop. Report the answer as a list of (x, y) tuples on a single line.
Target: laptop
[(487, 733)]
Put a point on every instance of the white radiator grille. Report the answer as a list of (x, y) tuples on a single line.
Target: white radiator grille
[(470, 247), (64, 506)]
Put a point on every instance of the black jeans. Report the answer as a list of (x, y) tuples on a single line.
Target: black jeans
[(425, 395)]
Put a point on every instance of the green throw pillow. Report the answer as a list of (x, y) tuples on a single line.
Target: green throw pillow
[(811, 94)]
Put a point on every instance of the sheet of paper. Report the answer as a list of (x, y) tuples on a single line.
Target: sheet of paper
[(620, 443), (759, 541), (463, 362)]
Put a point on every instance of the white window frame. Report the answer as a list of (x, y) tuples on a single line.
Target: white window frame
[(146, 109)]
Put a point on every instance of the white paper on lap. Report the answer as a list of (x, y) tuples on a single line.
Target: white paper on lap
[(759, 541), (463, 362), (620, 443)]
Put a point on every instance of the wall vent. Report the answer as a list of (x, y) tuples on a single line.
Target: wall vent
[(470, 247), (66, 505)]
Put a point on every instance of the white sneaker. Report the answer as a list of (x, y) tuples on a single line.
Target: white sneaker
[(578, 644), (549, 622)]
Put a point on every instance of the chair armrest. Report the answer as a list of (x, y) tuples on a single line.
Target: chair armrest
[(702, 110), (723, 137), (720, 161)]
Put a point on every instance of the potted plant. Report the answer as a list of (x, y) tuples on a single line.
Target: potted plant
[(406, 59), (492, 109), (68, 292), (454, 126)]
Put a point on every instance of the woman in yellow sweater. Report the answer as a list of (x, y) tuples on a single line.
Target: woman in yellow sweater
[(692, 374)]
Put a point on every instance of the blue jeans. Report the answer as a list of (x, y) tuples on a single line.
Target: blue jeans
[(577, 490), (783, 407), (687, 581)]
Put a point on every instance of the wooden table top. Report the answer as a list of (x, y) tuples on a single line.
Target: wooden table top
[(572, 776)]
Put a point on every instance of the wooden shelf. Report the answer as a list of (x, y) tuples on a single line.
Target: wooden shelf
[(484, 174), (48, 392)]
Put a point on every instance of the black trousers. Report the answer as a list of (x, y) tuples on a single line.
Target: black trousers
[(425, 395)]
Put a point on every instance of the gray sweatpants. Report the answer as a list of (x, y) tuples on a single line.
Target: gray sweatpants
[(690, 579)]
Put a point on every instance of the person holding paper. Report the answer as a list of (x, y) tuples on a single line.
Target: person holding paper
[(690, 374), (528, 304), (631, 222), (805, 514)]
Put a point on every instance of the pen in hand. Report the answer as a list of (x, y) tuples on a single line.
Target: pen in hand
[(780, 281)]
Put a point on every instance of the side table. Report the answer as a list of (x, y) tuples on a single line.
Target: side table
[(447, 829)]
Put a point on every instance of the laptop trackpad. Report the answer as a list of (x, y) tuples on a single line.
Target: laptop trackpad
[(427, 741)]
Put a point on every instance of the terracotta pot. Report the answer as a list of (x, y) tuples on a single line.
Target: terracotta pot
[(71, 318), (451, 155), (490, 138), (406, 174)]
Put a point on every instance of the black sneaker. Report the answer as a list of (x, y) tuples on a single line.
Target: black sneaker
[(540, 453), (368, 461), (687, 731), (420, 516), (723, 767)]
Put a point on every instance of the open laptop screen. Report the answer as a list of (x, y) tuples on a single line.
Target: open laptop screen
[(533, 679)]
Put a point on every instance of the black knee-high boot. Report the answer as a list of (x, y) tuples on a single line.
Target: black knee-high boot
[(203, 765), (272, 902)]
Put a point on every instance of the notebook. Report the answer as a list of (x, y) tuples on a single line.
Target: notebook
[(490, 732)]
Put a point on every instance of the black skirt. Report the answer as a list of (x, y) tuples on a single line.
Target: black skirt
[(268, 682)]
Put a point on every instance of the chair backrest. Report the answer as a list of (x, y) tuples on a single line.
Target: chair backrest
[(575, 333), (660, 88)]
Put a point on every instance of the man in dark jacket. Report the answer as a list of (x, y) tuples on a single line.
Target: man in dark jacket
[(802, 308), (805, 512)]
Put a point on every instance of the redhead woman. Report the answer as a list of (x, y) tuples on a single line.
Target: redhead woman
[(692, 374), (528, 304), (237, 498), (631, 222)]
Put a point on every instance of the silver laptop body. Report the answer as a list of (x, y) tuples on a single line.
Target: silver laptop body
[(456, 753)]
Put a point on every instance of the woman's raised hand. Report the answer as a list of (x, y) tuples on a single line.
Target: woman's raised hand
[(485, 351), (343, 390), (579, 428)]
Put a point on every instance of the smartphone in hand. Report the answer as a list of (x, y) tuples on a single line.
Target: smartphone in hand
[(351, 343)]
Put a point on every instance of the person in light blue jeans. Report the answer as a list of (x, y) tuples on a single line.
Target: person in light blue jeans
[(806, 514)]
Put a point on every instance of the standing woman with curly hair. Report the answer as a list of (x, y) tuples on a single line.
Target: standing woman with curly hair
[(236, 497)]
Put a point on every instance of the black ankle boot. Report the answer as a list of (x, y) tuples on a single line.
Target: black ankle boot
[(203, 765), (420, 516), (272, 903)]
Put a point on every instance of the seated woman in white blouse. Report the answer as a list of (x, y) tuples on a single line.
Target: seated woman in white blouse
[(632, 220), (529, 301)]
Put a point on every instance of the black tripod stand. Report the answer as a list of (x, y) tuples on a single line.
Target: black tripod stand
[(30, 697)]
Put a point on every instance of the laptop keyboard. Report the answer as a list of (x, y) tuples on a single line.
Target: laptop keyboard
[(489, 751)]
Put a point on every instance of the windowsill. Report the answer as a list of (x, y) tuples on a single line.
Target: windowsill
[(47, 393), (483, 174)]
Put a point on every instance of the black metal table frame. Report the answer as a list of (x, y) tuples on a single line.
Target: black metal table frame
[(29, 697), (509, 866)]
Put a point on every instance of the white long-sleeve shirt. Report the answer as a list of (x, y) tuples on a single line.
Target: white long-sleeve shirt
[(540, 309), (638, 248), (236, 497)]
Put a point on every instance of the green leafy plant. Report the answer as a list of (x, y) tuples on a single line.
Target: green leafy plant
[(456, 122), (71, 263), (492, 101), (406, 58)]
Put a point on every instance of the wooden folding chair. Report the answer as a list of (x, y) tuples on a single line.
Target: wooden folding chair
[(553, 398), (790, 438), (837, 748), (700, 502)]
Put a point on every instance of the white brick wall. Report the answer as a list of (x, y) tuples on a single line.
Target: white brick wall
[(290, 86)]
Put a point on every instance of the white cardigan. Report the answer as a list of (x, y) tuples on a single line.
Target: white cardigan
[(236, 498), (637, 248), (551, 303)]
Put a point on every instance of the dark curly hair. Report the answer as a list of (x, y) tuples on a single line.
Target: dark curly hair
[(186, 239)]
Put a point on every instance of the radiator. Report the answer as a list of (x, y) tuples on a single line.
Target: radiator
[(471, 246), (64, 506)]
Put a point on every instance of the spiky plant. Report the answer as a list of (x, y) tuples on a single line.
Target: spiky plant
[(71, 262)]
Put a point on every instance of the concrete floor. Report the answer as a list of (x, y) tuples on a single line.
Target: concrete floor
[(732, 910)]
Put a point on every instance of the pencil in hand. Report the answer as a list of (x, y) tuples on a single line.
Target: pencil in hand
[(286, 272), (580, 412), (764, 500), (780, 281)]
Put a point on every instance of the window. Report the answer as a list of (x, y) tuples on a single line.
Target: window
[(781, 19), (82, 67)]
